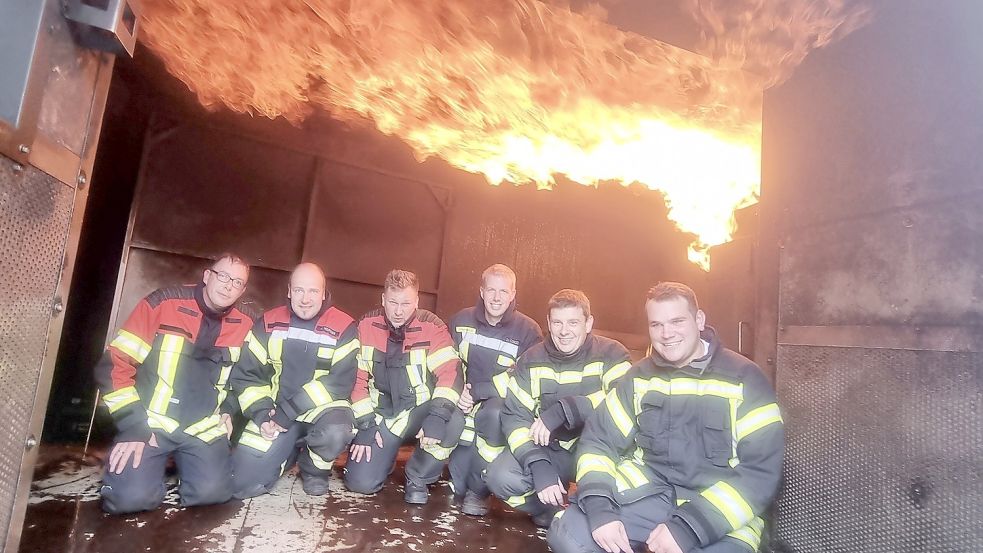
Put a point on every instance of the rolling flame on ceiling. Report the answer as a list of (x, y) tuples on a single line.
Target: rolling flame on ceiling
[(516, 90)]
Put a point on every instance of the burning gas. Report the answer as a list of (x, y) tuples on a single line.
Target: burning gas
[(517, 90)]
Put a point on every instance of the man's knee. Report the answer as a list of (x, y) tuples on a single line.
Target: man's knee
[(505, 478), (569, 533), (364, 480), (206, 489), (488, 420), (120, 499), (329, 441)]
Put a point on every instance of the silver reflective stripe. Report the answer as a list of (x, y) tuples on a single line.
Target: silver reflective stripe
[(303, 335), (491, 343)]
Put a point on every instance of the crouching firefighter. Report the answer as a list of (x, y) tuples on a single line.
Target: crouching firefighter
[(555, 387), (685, 454), (409, 381), (293, 382), (489, 338), (164, 378)]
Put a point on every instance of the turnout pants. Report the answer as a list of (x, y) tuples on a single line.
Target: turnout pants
[(425, 464), (513, 484), (469, 461), (203, 468), (314, 447), (570, 532)]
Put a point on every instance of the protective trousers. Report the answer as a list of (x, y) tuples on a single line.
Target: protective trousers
[(204, 470), (425, 464), (314, 447), (469, 462), (514, 485), (571, 533)]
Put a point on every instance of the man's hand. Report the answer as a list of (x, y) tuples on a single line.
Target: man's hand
[(540, 434), (661, 541), (226, 420), (271, 430), (612, 537), (553, 495), (466, 402), (359, 451), (425, 440), (123, 451)]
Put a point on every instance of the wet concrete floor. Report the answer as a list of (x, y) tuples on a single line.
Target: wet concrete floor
[(64, 515)]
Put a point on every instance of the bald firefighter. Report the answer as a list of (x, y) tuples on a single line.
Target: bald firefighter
[(489, 336), (293, 382), (685, 454), (408, 385), (555, 387), (164, 379)]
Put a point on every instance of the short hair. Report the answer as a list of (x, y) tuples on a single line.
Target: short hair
[(233, 258), (398, 279), (570, 298), (665, 291), (498, 270)]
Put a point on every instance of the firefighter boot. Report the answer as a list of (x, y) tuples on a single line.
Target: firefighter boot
[(416, 493)]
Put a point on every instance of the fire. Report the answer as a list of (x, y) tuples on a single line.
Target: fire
[(518, 91)]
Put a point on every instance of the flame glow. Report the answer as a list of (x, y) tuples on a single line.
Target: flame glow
[(517, 90)]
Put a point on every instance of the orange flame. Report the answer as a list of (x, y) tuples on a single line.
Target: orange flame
[(518, 90)]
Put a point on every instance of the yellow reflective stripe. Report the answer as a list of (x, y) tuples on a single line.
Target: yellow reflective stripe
[(320, 462), (165, 423), (729, 502), (251, 438), (438, 452), (325, 352), (701, 387), (317, 392), (448, 393), (467, 436), (501, 382), (592, 462), (235, 352), (210, 436), (362, 407), (464, 329), (617, 411), (440, 357), (505, 361), (276, 360), (418, 356), (536, 374), (463, 350), (364, 359), (750, 534), (412, 372), (312, 413), (595, 398), (397, 424), (517, 501), (567, 445), (340, 353), (591, 369), (758, 419), (206, 423), (487, 451), (119, 399), (632, 473), (615, 373), (170, 354), (256, 348), (524, 398), (132, 345), (223, 378), (518, 437), (252, 394)]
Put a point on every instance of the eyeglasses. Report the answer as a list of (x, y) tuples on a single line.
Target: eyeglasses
[(224, 277)]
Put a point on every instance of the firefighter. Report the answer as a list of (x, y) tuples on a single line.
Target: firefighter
[(685, 454), (489, 337), (554, 387), (163, 378), (408, 384), (293, 382)]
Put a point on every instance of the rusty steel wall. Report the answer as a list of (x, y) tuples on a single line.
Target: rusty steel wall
[(872, 173)]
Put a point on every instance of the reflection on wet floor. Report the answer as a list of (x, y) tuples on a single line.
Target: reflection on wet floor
[(64, 515)]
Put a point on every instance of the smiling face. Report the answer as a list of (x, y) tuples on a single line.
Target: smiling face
[(674, 329), (569, 327), (497, 293), (306, 291)]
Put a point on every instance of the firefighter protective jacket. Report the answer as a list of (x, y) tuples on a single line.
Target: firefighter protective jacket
[(402, 368), (546, 380), (488, 351), (709, 434), (296, 367), (169, 364)]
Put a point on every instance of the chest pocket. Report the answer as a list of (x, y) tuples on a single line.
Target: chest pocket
[(717, 437), (653, 424)]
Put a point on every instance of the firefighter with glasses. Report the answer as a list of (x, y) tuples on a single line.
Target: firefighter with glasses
[(554, 388), (408, 385), (164, 379), (685, 454), (293, 382)]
